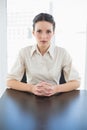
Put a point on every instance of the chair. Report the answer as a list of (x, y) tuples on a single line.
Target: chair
[(24, 79), (62, 79)]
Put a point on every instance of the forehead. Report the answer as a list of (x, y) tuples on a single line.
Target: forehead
[(43, 25)]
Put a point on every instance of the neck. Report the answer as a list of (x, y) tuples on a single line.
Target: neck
[(42, 50)]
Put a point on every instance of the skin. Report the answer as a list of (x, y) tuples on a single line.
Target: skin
[(43, 32)]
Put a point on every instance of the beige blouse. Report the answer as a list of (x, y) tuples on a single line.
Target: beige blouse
[(43, 68)]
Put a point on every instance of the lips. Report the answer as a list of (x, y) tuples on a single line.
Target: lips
[(43, 41)]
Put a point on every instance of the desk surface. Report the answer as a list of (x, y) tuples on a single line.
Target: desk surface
[(25, 111)]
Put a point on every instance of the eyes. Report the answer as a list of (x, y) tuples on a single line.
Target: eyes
[(47, 31)]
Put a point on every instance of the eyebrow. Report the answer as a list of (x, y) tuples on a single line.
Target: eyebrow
[(46, 30)]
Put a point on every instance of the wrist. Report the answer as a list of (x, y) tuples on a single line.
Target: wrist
[(30, 87), (57, 88)]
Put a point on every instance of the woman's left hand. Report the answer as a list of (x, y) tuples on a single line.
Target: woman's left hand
[(47, 89)]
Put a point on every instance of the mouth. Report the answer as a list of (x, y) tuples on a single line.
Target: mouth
[(43, 42)]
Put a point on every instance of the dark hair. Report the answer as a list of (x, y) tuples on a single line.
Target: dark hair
[(44, 17)]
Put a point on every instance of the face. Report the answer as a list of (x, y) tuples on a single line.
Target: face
[(43, 33)]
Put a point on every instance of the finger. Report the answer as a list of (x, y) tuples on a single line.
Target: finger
[(43, 92), (49, 88)]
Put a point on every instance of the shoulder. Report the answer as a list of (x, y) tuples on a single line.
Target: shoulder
[(25, 50), (62, 53), (60, 50)]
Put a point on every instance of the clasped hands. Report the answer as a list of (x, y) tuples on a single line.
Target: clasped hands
[(43, 89)]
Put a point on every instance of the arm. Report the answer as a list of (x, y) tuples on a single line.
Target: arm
[(17, 85), (43, 88), (70, 74), (69, 86), (49, 89), (40, 89)]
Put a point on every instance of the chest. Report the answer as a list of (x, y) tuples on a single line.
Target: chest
[(44, 66)]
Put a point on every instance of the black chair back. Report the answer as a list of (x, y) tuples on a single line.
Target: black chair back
[(62, 79), (24, 79)]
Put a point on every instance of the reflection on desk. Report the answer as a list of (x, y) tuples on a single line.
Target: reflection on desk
[(25, 111)]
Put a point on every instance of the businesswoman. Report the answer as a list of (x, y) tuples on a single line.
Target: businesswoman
[(43, 63)]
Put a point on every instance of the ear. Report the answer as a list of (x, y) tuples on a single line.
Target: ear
[(33, 32), (53, 32)]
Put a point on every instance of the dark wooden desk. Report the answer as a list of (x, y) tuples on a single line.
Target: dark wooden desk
[(24, 111)]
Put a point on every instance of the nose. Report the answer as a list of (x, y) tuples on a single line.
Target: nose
[(43, 35)]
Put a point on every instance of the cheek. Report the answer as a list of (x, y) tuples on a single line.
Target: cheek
[(50, 36), (36, 35)]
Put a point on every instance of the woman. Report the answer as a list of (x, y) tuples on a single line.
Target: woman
[(43, 63)]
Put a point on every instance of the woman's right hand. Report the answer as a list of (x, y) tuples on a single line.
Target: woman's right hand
[(42, 89)]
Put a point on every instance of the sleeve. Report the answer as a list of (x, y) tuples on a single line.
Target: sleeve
[(17, 69), (70, 72)]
